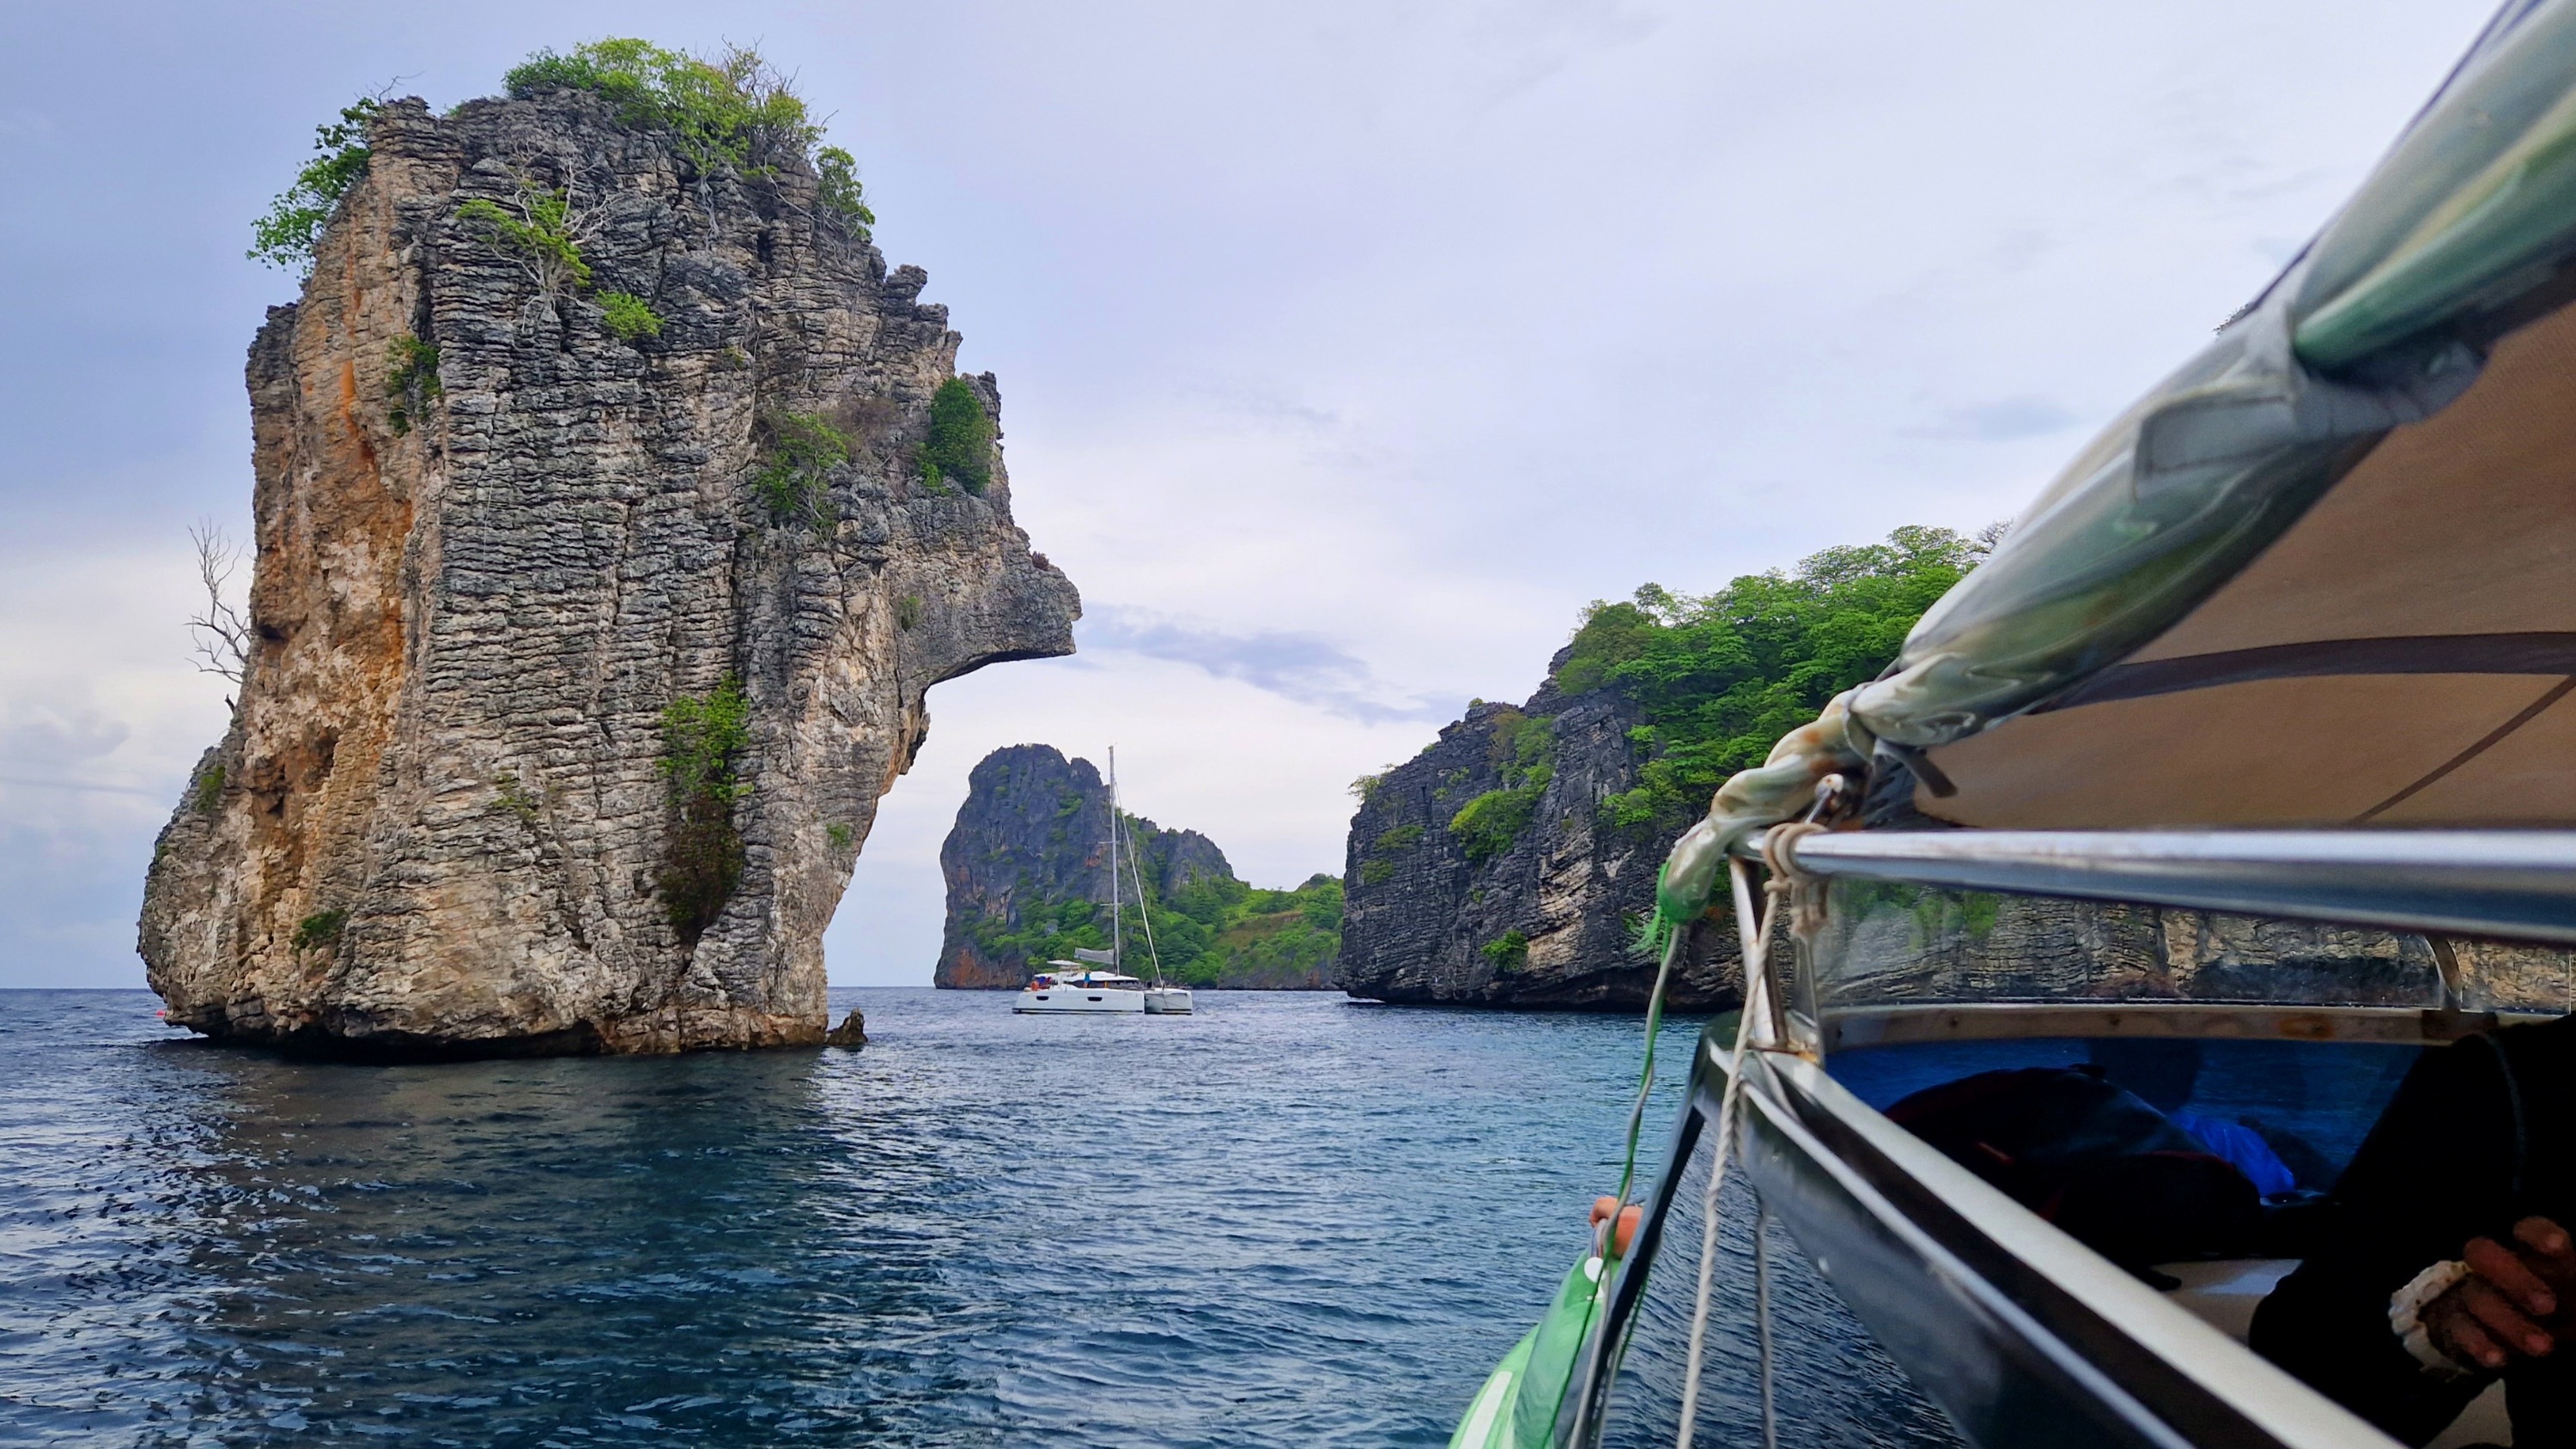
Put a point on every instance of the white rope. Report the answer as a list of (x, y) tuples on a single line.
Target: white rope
[(1793, 893), (1756, 945), (1762, 1319)]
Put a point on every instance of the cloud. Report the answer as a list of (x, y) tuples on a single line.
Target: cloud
[(2003, 420), (1306, 668), (1264, 409), (56, 738)]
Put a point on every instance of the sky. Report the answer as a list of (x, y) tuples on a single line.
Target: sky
[(1346, 349)]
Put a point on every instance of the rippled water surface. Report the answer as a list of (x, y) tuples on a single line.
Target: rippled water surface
[(1289, 1220)]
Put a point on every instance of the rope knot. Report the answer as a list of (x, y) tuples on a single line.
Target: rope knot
[(1800, 890)]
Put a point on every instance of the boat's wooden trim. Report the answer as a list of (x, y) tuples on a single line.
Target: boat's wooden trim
[(1850, 1029)]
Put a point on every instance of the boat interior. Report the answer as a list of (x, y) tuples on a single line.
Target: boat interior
[(2297, 1033), (2310, 1100), (2281, 1041)]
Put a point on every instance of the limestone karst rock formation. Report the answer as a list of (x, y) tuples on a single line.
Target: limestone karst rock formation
[(1028, 862), (441, 820), (1544, 920)]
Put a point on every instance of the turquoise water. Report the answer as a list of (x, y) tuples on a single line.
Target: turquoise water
[(1289, 1220)]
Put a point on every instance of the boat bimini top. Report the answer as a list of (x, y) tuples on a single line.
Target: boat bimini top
[(1094, 978), (2294, 638)]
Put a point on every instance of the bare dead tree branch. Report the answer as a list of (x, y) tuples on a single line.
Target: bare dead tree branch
[(221, 633)]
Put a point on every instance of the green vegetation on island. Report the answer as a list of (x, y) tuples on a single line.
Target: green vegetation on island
[(729, 112), (629, 316), (538, 227), (1721, 677), (798, 451), (1717, 677), (322, 928), (1523, 751), (411, 381)]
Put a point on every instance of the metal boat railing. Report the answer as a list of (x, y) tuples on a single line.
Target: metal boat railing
[(2519, 884)]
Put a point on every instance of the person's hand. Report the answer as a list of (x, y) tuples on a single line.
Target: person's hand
[(2515, 1302), (1628, 1217)]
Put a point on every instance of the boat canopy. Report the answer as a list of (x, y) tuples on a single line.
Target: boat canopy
[(1091, 978), (2318, 576)]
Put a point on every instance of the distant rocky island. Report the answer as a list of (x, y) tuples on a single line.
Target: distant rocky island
[(616, 506), (1027, 868), (1512, 862)]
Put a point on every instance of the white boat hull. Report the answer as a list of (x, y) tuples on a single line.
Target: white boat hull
[(1168, 1001), (1070, 1000)]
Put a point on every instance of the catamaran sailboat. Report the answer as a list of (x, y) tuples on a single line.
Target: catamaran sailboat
[(1074, 986), (2290, 643), (1081, 985)]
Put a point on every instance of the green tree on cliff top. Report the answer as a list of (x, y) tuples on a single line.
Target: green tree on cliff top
[(284, 238), (1719, 678)]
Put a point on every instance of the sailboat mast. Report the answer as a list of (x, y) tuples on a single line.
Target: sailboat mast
[(1117, 935)]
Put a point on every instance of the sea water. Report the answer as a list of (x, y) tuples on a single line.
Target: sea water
[(1291, 1219)]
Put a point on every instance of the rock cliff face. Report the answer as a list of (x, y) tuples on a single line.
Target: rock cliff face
[(1536, 904), (1033, 833), (440, 820), (1028, 860)]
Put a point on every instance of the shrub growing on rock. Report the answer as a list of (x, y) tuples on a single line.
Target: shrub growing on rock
[(411, 380), (702, 743), (731, 110), (1523, 751), (629, 316), (960, 445), (322, 928), (836, 173), (798, 452), (1720, 678), (210, 789), (539, 227)]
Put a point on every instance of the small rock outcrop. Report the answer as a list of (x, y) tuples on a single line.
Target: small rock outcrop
[(503, 530), (1027, 867)]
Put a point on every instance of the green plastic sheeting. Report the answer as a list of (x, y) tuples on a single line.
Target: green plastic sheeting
[(1517, 1407), (2467, 213)]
